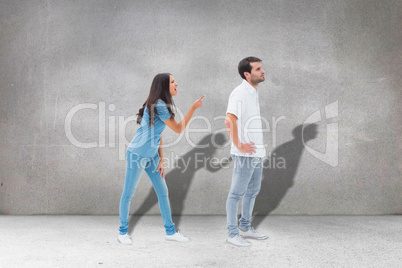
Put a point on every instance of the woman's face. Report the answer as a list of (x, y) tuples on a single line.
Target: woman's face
[(172, 86)]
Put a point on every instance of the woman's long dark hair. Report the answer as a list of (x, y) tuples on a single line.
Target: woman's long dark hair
[(159, 90)]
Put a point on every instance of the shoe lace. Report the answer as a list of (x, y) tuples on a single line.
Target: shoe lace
[(240, 238)]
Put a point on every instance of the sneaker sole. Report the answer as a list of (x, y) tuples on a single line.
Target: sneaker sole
[(173, 240), (123, 243), (255, 238), (239, 246)]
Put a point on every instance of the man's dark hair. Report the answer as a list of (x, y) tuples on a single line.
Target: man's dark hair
[(245, 66)]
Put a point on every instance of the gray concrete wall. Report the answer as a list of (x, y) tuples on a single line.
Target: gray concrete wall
[(73, 74)]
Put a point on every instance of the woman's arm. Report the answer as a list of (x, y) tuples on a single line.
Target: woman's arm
[(180, 127), (160, 150), (160, 165)]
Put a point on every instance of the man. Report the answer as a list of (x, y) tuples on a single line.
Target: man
[(243, 123)]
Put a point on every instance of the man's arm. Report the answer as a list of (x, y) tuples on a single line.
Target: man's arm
[(231, 126)]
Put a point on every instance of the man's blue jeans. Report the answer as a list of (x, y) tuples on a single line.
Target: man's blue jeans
[(246, 183), (135, 166)]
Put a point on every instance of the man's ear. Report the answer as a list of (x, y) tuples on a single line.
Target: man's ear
[(247, 75)]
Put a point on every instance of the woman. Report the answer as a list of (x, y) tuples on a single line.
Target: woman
[(145, 152)]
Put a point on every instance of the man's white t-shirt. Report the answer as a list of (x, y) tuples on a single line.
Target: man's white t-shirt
[(244, 104)]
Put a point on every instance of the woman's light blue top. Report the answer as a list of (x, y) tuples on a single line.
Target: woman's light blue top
[(146, 140)]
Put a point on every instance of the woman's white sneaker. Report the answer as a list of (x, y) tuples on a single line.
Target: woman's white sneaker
[(125, 239), (238, 241), (178, 237), (253, 234)]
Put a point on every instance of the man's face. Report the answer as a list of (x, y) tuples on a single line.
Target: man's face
[(257, 73)]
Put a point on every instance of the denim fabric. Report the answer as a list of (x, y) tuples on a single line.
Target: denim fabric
[(147, 138), (136, 164), (246, 183)]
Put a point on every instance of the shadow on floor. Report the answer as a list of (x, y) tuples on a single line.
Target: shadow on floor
[(180, 178), (279, 172)]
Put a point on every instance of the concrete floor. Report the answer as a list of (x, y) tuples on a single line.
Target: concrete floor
[(294, 241)]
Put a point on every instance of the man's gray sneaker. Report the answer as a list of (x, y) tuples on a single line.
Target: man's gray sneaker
[(238, 241), (253, 234)]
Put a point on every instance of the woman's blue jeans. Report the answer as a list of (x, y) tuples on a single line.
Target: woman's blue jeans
[(136, 164), (246, 183)]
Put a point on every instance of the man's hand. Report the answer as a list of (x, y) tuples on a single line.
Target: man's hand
[(247, 148)]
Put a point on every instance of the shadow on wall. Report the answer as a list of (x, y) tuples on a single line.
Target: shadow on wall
[(180, 178), (280, 170)]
